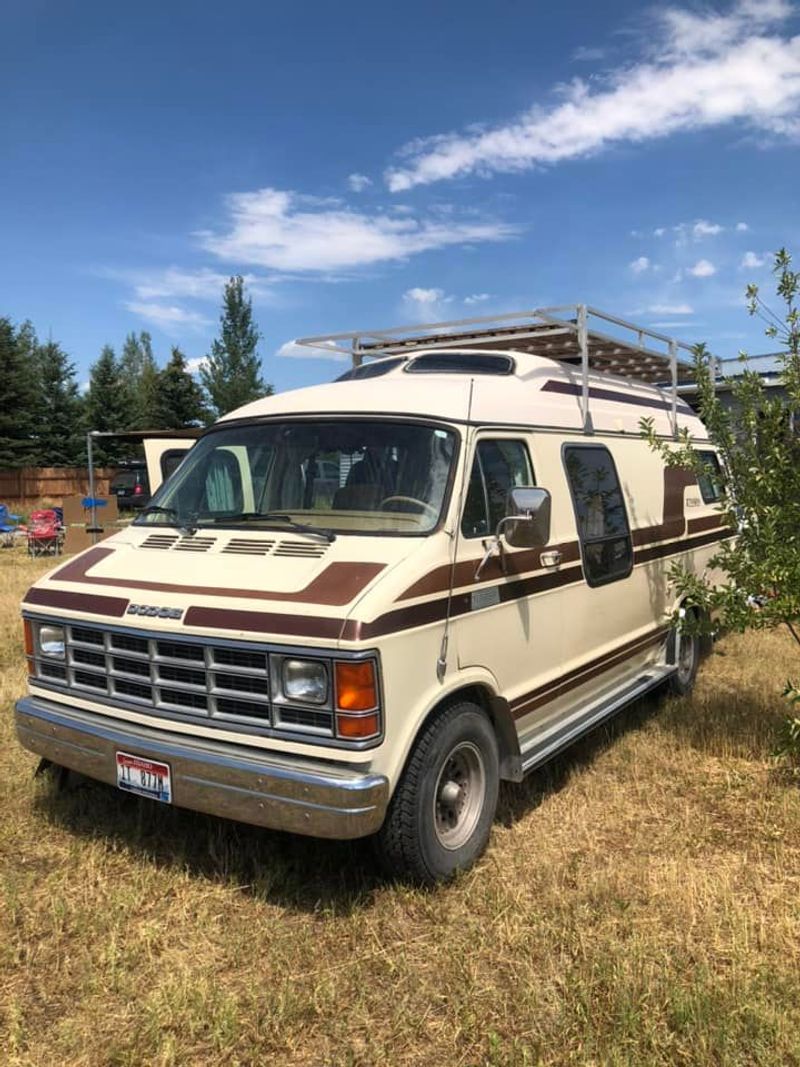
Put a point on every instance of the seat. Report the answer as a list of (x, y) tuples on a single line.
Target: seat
[(45, 534), (8, 526)]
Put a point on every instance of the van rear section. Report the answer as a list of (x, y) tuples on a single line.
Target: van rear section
[(353, 609)]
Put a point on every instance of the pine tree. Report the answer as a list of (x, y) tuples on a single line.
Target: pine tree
[(139, 375), (59, 428), (180, 398), (107, 404), (231, 375), (18, 407)]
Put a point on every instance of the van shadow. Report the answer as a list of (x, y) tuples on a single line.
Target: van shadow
[(300, 873)]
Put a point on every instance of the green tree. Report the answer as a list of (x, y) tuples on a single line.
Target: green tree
[(757, 437), (139, 374), (18, 407), (107, 404), (231, 375), (59, 430), (180, 398)]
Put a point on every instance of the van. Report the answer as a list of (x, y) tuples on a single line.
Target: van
[(355, 608)]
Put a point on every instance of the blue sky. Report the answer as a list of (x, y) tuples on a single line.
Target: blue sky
[(365, 166)]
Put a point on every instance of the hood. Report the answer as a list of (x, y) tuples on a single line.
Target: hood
[(265, 585)]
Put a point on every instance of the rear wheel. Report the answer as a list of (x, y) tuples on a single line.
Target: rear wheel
[(686, 657), (440, 817)]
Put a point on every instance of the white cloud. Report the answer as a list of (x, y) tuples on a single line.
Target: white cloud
[(703, 228), (358, 182), (168, 317), (292, 350), (659, 231), (284, 231), (752, 261), (703, 69), (742, 227), (202, 284), (424, 297), (476, 298), (640, 265), (671, 309), (194, 364), (588, 54), (702, 269)]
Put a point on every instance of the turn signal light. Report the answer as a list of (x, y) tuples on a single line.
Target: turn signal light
[(27, 629), (356, 689), (358, 726)]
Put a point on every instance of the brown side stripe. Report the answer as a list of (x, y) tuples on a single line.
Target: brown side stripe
[(336, 586), (708, 522), (586, 673), (112, 606), (675, 548), (568, 389)]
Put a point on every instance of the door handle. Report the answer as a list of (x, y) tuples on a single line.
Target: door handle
[(550, 559)]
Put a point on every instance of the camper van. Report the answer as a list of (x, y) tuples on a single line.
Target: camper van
[(356, 608)]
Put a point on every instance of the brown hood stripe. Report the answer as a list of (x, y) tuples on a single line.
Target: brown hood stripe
[(336, 586), (264, 622), (536, 698), (112, 606)]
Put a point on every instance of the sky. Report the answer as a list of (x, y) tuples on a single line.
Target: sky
[(366, 165)]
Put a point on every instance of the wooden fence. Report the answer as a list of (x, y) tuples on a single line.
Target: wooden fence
[(51, 483)]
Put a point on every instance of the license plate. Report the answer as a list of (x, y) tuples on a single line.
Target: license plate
[(145, 777)]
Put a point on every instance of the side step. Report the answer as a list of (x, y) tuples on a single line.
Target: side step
[(559, 737)]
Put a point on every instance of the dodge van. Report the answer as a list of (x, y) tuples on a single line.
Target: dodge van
[(355, 608)]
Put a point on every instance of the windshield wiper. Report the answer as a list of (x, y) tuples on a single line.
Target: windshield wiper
[(186, 525), (277, 516)]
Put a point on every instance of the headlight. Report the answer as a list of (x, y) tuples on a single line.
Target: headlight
[(51, 641), (305, 681)]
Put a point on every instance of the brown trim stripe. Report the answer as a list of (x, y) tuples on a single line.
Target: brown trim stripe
[(585, 673), (708, 522), (113, 606), (336, 586), (569, 389), (675, 548), (264, 622)]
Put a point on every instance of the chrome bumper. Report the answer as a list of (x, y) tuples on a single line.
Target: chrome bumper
[(233, 781)]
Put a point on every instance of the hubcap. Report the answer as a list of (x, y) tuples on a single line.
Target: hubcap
[(459, 795), (686, 653)]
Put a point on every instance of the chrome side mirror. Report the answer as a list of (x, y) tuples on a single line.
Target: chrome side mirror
[(527, 521)]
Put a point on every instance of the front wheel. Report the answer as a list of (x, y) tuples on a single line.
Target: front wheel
[(440, 817)]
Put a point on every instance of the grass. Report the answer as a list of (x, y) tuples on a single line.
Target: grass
[(639, 904)]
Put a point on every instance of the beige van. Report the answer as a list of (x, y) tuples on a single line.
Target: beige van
[(355, 608)]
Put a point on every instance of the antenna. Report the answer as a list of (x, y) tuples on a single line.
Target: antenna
[(441, 663)]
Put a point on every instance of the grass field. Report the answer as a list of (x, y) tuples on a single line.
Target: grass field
[(639, 904)]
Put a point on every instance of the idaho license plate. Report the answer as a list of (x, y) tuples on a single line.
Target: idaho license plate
[(145, 777)]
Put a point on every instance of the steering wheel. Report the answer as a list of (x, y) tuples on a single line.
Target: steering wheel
[(421, 504)]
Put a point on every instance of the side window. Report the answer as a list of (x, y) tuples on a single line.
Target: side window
[(170, 460), (710, 481), (599, 513), (498, 466)]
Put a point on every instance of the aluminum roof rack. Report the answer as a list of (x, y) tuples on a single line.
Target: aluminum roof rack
[(575, 334)]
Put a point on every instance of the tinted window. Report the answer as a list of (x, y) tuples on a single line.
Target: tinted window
[(371, 370), (460, 363), (498, 466), (710, 482), (600, 513)]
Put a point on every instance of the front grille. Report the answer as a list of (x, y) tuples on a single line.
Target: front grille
[(212, 683)]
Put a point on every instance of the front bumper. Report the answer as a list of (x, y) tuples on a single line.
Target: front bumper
[(236, 782)]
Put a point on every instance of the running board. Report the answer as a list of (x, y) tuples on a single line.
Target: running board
[(547, 747)]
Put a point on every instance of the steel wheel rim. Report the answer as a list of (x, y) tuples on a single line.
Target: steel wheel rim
[(686, 656), (458, 798)]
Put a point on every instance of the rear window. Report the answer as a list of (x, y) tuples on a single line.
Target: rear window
[(460, 363), (126, 479)]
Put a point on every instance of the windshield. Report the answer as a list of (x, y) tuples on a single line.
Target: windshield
[(360, 476)]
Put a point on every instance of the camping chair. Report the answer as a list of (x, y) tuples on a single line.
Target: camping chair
[(8, 526), (44, 533)]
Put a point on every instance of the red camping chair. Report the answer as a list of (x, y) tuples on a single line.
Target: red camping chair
[(44, 533)]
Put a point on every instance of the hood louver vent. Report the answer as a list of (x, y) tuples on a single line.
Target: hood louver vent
[(301, 549), (159, 541), (195, 544), (243, 546)]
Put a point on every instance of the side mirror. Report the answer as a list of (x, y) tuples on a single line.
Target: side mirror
[(527, 521)]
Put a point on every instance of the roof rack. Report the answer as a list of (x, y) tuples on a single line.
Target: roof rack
[(575, 334)]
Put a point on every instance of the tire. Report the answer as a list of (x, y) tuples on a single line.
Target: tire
[(685, 654), (440, 816)]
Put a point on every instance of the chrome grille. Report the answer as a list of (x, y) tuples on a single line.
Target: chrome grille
[(206, 681)]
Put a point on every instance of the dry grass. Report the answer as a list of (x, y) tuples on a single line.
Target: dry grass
[(639, 904)]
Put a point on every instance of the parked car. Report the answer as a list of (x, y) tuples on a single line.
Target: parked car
[(355, 608), (131, 487)]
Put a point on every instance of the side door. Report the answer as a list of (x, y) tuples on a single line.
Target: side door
[(503, 620)]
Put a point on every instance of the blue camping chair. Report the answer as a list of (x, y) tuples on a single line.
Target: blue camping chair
[(8, 526)]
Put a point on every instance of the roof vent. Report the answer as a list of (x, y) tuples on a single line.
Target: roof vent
[(244, 546), (460, 363), (301, 549)]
